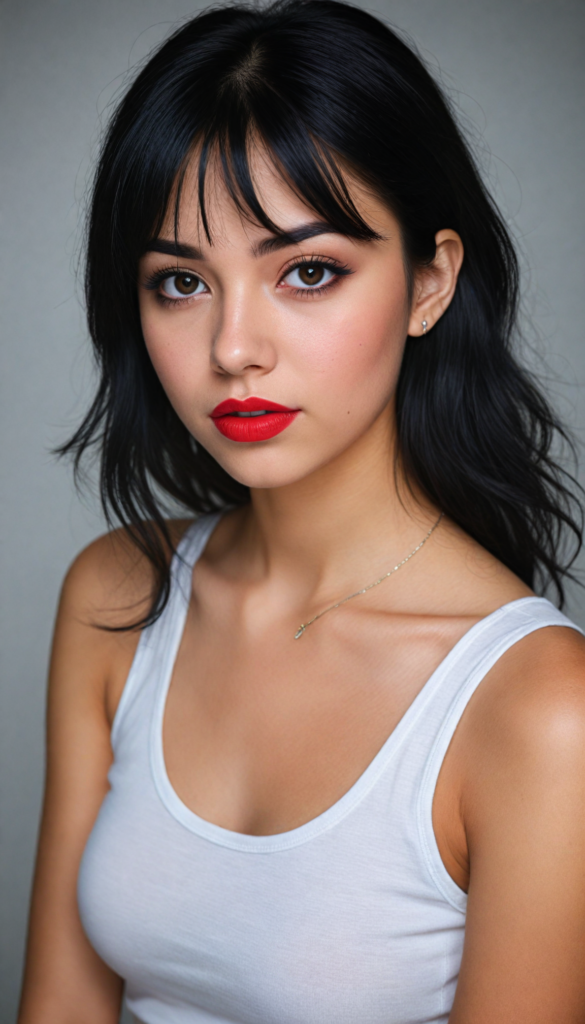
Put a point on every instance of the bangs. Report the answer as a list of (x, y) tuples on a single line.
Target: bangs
[(308, 168), (250, 121), (220, 92)]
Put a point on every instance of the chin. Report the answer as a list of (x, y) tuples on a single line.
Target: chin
[(265, 466), (264, 474)]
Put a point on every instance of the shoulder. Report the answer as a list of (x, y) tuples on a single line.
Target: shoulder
[(516, 762), (523, 735), (537, 683), (108, 587), (110, 581)]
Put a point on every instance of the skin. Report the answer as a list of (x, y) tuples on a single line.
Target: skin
[(261, 732)]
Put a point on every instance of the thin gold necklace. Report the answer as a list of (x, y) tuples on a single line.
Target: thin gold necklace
[(376, 583)]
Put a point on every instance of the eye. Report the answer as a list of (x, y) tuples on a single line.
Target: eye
[(309, 275), (182, 286)]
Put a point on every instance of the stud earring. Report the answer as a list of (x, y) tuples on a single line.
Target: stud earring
[(424, 326)]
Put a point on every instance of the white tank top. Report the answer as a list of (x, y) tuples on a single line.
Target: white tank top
[(350, 919)]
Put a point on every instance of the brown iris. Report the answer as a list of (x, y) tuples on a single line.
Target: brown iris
[(311, 273), (186, 284)]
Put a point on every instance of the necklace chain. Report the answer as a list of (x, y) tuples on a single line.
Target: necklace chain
[(364, 590)]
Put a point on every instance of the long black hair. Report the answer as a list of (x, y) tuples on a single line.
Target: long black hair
[(325, 87)]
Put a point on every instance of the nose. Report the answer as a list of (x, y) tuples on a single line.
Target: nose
[(241, 342)]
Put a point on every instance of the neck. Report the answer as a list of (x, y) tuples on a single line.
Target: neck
[(352, 516)]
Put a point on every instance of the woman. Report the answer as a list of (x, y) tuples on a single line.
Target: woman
[(289, 787)]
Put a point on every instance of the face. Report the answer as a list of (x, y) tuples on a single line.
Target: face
[(277, 358)]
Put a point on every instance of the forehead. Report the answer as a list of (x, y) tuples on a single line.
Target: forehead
[(229, 218)]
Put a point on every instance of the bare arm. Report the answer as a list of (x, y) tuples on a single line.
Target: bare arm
[(65, 980), (524, 810)]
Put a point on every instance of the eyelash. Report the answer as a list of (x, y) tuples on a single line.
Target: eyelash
[(155, 280), (338, 269), (153, 283)]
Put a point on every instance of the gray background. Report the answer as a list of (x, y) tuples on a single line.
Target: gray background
[(514, 67)]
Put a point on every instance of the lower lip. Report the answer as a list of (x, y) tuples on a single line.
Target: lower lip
[(254, 428)]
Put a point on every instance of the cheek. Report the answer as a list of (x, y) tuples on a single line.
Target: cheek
[(354, 355), (178, 363)]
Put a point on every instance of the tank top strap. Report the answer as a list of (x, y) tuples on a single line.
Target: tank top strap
[(453, 685), (158, 644), (169, 626), (188, 551)]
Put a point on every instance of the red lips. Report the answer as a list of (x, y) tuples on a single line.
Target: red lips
[(269, 419)]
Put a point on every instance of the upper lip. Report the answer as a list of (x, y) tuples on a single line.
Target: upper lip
[(248, 405)]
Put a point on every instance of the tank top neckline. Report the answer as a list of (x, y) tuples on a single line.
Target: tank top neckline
[(189, 550)]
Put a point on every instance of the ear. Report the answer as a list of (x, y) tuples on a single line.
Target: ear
[(434, 285)]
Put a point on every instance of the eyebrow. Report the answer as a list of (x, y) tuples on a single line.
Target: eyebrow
[(172, 248), (293, 237), (272, 244)]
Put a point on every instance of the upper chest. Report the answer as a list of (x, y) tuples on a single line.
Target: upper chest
[(261, 736)]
